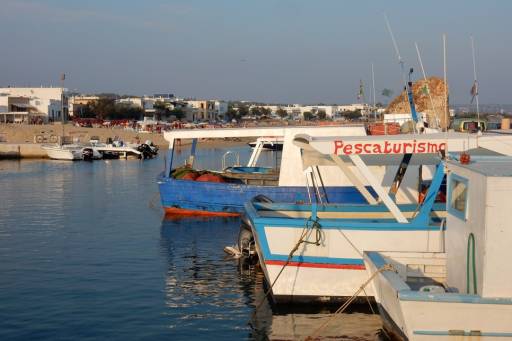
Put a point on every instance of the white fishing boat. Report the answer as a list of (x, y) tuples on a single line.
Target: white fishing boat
[(465, 292), (64, 152), (313, 252)]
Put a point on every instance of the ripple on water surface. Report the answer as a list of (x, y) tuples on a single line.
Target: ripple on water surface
[(84, 254)]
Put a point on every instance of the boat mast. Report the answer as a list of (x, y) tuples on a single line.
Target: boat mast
[(62, 78), (475, 82), (374, 102), (407, 84), (426, 84)]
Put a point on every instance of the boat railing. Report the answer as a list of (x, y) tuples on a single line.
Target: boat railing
[(225, 157)]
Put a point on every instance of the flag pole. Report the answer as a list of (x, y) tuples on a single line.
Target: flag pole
[(475, 81)]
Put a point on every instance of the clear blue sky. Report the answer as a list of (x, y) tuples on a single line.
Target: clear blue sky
[(274, 51)]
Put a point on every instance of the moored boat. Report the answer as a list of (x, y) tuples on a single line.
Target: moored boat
[(236, 185), (64, 152), (313, 252), (464, 291)]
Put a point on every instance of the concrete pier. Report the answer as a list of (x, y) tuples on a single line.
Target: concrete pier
[(21, 151)]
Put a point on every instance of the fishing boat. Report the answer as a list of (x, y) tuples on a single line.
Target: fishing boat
[(224, 192), (314, 252), (462, 292)]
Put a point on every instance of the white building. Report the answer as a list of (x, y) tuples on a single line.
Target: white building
[(134, 102), (206, 110), (77, 103), (148, 102), (46, 102), (298, 110)]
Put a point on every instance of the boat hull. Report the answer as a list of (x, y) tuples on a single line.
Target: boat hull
[(194, 197), (60, 153), (421, 316), (334, 269)]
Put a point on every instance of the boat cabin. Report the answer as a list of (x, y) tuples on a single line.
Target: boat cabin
[(465, 290)]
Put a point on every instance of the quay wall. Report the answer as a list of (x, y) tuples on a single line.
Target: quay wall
[(21, 151)]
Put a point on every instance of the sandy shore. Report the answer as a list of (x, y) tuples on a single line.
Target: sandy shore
[(19, 133)]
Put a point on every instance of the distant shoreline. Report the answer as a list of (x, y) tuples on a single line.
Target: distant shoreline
[(19, 140)]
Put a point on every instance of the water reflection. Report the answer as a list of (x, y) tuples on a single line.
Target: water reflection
[(207, 290)]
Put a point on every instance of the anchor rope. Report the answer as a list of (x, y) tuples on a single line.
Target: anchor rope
[(386, 267), (151, 203), (315, 225)]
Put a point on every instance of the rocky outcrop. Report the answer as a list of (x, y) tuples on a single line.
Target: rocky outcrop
[(436, 87)]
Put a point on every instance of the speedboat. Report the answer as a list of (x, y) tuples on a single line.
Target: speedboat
[(64, 152)]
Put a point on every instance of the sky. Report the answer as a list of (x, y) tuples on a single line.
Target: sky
[(275, 51)]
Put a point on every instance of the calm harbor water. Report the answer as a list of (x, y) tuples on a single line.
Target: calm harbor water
[(85, 253)]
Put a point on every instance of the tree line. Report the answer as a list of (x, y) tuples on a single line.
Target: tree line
[(106, 108)]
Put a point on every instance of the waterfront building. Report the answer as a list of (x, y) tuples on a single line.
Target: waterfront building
[(148, 102), (77, 103), (296, 111), (205, 110), (23, 103)]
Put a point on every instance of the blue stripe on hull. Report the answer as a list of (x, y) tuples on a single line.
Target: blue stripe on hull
[(227, 197)]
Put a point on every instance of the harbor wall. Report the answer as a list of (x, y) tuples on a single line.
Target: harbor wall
[(21, 151)]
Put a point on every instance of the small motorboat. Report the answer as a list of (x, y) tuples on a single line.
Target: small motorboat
[(64, 152)]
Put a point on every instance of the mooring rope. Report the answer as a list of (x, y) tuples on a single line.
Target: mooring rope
[(151, 203), (387, 267), (318, 237)]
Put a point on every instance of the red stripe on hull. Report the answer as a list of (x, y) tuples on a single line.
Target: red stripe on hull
[(317, 265), (184, 212)]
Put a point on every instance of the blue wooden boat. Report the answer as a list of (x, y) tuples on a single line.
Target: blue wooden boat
[(286, 183)]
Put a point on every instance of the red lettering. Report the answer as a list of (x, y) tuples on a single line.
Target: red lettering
[(387, 148), (432, 147), (405, 147), (442, 146), (366, 148), (376, 149), (358, 148), (421, 147), (337, 145), (347, 150), (397, 148)]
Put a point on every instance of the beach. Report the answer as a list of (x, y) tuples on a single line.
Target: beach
[(24, 140)]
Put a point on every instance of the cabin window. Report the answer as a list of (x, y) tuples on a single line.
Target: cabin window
[(458, 196)]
